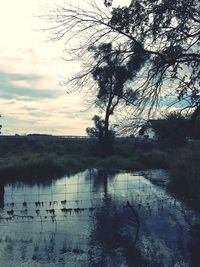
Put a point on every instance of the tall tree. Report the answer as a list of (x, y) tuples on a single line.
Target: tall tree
[(111, 75), (0, 126), (169, 32), (166, 33)]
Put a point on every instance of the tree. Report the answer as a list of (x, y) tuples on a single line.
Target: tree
[(96, 131), (105, 141), (164, 34), (168, 31), (0, 126), (111, 76), (173, 129)]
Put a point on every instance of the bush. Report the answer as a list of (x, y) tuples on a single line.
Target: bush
[(154, 160), (185, 171)]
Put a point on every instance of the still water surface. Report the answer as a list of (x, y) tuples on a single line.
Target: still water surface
[(98, 219)]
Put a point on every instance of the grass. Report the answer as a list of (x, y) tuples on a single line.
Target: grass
[(34, 160), (39, 160), (28, 160), (185, 173)]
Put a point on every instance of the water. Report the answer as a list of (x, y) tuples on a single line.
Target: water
[(97, 218)]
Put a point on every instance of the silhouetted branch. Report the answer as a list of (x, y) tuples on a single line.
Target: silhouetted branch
[(158, 41)]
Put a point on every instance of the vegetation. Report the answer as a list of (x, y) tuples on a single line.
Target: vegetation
[(40, 160), (104, 134), (131, 55), (155, 53), (157, 42), (0, 126), (185, 173), (110, 74), (174, 129), (44, 159)]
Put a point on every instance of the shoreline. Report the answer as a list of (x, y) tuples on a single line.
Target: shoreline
[(40, 161)]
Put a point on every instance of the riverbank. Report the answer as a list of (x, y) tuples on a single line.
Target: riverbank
[(40, 160), (34, 159)]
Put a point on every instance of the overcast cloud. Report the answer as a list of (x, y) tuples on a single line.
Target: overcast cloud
[(31, 99)]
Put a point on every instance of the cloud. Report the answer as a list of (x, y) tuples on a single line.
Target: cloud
[(20, 76), (30, 99), (61, 115), (16, 86)]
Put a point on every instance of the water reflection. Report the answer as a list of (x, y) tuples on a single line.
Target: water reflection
[(96, 218), (111, 242), (194, 245), (1, 195)]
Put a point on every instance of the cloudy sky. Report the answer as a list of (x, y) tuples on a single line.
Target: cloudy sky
[(31, 100)]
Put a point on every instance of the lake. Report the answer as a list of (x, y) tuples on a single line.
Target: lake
[(97, 218)]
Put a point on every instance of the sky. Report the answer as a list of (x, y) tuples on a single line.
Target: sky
[(31, 99)]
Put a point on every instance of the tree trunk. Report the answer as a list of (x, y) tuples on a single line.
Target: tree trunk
[(107, 145)]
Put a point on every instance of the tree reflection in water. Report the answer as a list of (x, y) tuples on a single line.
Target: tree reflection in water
[(1, 195), (111, 242)]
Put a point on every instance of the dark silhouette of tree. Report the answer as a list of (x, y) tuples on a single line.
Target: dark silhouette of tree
[(96, 131), (173, 130), (168, 31), (108, 3), (111, 76), (162, 34), (105, 140), (0, 126), (1, 194), (194, 129)]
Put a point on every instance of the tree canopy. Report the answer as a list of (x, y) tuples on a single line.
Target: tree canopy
[(158, 41), (0, 126), (173, 129), (168, 31)]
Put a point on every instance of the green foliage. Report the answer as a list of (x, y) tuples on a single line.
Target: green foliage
[(154, 44), (28, 159), (96, 131), (171, 26), (111, 75), (136, 160), (185, 172), (174, 129), (121, 163), (0, 126), (44, 159), (171, 131), (155, 159)]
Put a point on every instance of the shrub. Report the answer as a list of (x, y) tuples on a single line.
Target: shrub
[(185, 171)]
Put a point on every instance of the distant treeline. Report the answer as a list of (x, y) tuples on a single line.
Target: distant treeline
[(40, 137)]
